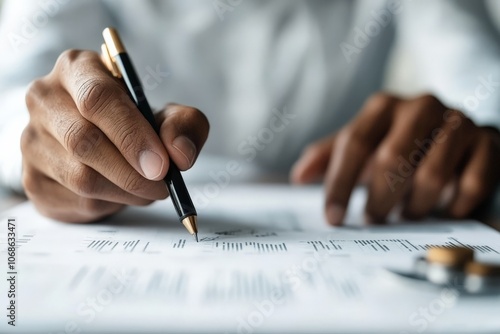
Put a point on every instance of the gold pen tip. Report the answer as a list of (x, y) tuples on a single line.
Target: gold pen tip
[(190, 224)]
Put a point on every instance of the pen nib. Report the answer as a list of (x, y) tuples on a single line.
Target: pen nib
[(190, 224)]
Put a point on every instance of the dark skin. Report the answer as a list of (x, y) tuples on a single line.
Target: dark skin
[(381, 146), (82, 161)]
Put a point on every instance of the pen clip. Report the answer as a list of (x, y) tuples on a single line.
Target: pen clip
[(109, 61)]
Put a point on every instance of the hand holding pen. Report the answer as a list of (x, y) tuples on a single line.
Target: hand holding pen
[(117, 60), (87, 149)]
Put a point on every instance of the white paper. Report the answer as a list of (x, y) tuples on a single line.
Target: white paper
[(266, 261)]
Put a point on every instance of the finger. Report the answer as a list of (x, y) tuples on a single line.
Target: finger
[(400, 153), (103, 101), (62, 204), (478, 179), (352, 148), (313, 162), (89, 145), (366, 174), (183, 131), (449, 145), (52, 160)]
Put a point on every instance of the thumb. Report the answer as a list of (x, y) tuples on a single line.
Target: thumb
[(313, 162), (183, 131)]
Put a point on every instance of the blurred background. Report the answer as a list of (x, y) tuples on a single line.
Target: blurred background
[(399, 76)]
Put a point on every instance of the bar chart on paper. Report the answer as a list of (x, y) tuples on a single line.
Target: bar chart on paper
[(117, 246), (374, 246), (113, 240), (253, 256)]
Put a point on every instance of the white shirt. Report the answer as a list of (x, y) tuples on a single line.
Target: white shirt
[(271, 76)]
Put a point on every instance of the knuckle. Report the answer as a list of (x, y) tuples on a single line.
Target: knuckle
[(430, 178), (386, 158), (379, 102), (466, 126), (185, 117), (353, 135), (455, 119), (83, 181), (36, 92), (28, 137), (467, 130), (429, 104), (428, 100), (202, 120), (61, 173), (68, 57), (129, 138), (354, 139), (81, 138), (93, 97), (133, 183), (191, 112), (454, 112), (74, 57), (196, 114)]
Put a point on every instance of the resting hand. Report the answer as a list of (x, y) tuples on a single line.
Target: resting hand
[(410, 152)]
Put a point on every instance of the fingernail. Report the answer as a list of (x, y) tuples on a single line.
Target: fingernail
[(151, 164), (335, 214), (186, 147)]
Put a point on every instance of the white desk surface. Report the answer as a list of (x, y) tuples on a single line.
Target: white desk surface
[(491, 216)]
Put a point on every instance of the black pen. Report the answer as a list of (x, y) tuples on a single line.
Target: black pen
[(118, 62)]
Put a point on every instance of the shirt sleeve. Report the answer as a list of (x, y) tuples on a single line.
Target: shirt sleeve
[(456, 50), (32, 35)]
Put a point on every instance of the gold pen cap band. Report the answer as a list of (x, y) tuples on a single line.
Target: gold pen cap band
[(109, 62), (113, 42)]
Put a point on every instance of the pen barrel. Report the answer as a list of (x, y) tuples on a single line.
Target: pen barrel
[(175, 183), (135, 89), (179, 193)]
